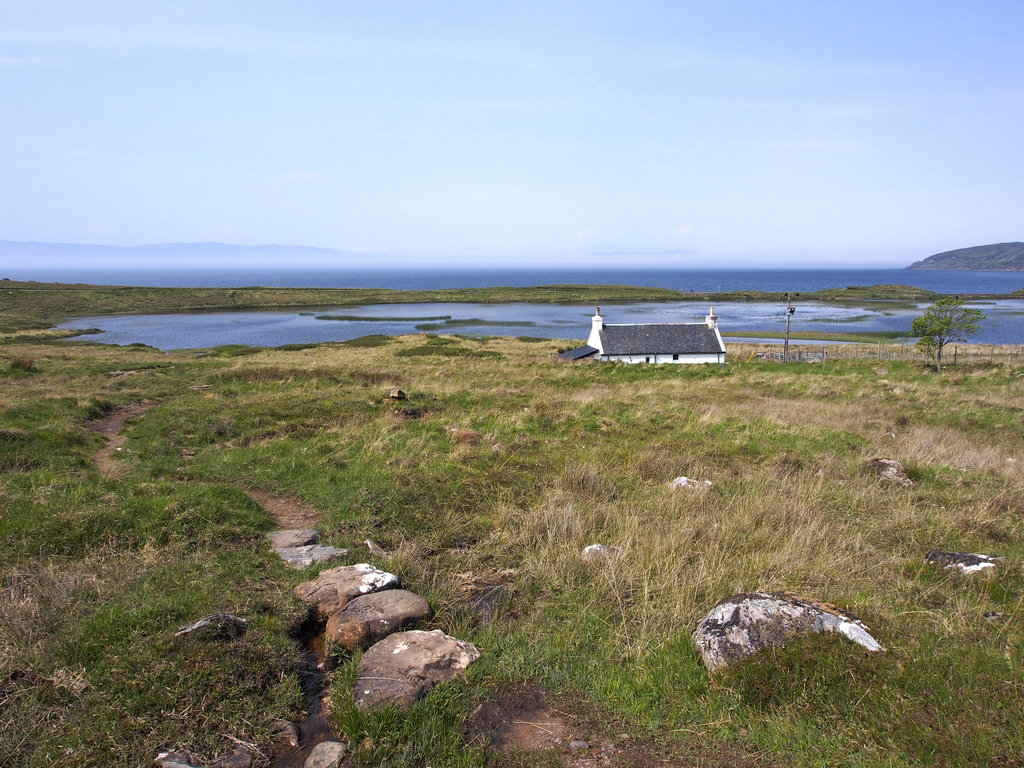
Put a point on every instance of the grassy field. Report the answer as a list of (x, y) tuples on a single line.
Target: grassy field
[(500, 468)]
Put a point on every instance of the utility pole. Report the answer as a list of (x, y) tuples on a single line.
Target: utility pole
[(790, 309)]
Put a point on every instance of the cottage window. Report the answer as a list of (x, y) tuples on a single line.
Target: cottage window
[(675, 357)]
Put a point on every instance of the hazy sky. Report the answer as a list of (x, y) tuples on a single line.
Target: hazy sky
[(842, 131)]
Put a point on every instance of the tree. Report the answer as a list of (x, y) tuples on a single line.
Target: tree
[(944, 321)]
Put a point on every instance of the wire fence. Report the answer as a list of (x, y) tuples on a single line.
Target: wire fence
[(953, 354)]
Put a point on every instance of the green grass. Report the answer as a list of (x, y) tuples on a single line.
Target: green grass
[(502, 466)]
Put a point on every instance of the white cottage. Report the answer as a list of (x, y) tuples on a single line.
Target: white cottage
[(652, 342)]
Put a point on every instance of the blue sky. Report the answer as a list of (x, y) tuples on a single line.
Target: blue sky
[(713, 133)]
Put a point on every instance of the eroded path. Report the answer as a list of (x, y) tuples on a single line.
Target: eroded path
[(289, 512), (110, 427)]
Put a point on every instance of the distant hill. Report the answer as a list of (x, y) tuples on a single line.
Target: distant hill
[(998, 257), (63, 255)]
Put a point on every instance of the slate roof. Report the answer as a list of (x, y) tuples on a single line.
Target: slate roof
[(660, 339), (577, 354)]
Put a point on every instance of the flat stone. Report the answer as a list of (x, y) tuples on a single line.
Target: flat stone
[(967, 562), (333, 589), (369, 618), (296, 537), (594, 553), (744, 624), (403, 667), (891, 470), (326, 754), (311, 554)]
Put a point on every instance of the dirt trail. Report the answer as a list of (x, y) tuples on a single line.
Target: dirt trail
[(110, 428), (289, 512)]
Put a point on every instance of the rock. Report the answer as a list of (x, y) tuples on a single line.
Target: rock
[(334, 588), (689, 482), (594, 553), (311, 554), (967, 562), (891, 470), (287, 731), (376, 550), (369, 618), (401, 668), (993, 615), (326, 754), (397, 394), (219, 626), (174, 760), (293, 538), (578, 745), (744, 624)]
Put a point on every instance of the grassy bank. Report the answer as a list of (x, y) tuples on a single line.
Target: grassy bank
[(502, 466)]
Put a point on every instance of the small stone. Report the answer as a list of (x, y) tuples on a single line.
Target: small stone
[(689, 482), (326, 754), (369, 618), (376, 550), (313, 554), (993, 615), (578, 745), (967, 562), (221, 626), (891, 470), (593, 553), (287, 731), (174, 760), (397, 394), (293, 538), (333, 589), (403, 667), (743, 624)]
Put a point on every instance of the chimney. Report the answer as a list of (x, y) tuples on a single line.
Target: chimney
[(711, 320), (596, 324)]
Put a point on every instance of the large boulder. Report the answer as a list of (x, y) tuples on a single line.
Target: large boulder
[(370, 618), (401, 668), (333, 589), (744, 624)]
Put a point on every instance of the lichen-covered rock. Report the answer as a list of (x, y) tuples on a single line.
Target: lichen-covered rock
[(401, 668), (294, 537), (689, 482), (333, 589), (967, 562), (595, 553), (744, 624), (891, 470), (369, 618), (312, 554)]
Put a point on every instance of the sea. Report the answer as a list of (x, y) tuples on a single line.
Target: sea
[(1004, 322)]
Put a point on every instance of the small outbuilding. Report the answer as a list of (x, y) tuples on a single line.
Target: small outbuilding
[(652, 342)]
